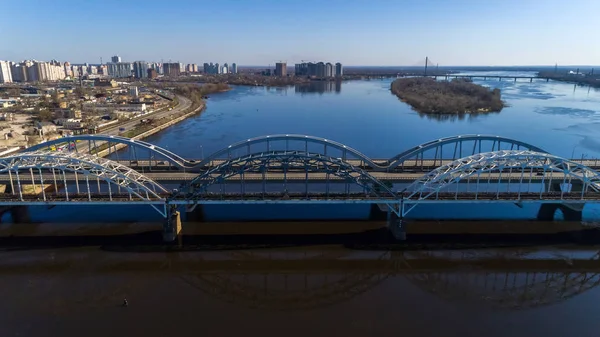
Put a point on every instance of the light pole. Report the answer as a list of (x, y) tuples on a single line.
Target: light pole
[(573, 152)]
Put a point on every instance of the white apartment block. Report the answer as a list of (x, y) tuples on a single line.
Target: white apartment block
[(5, 73)]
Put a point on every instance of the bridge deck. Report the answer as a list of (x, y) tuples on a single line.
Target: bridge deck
[(412, 165), (313, 177), (310, 197)]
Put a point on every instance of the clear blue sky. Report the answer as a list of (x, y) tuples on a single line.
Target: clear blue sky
[(261, 32)]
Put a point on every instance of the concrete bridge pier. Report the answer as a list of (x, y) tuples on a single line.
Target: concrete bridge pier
[(570, 211), (172, 225), (397, 226)]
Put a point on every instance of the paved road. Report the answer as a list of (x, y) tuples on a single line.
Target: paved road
[(316, 177), (411, 165), (184, 103)]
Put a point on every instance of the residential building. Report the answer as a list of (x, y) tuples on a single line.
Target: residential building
[(319, 69), (171, 69), (115, 59), (339, 70), (152, 73), (140, 69), (234, 69), (225, 69), (280, 69), (5, 72), (329, 70), (120, 69), (133, 91), (18, 72)]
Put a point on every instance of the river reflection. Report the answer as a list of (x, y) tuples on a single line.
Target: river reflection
[(78, 282), (319, 87)]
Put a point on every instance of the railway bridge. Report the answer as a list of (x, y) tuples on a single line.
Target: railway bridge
[(298, 169)]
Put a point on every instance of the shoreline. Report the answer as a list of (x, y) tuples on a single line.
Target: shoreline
[(155, 130)]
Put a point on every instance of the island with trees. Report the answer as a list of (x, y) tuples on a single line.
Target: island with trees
[(459, 96)]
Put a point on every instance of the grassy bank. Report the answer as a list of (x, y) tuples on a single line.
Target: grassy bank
[(458, 96)]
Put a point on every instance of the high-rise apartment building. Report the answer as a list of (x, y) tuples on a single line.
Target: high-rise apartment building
[(152, 73), (280, 69), (121, 69), (115, 59), (18, 72), (140, 69), (234, 69), (319, 69), (339, 70), (329, 69), (171, 69), (5, 72)]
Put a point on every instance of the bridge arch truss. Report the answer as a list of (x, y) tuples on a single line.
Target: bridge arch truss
[(515, 176), (438, 152), (294, 166), (55, 177), (138, 154)]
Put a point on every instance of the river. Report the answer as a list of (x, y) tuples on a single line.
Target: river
[(301, 291)]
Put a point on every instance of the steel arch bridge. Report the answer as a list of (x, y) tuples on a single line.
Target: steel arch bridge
[(106, 181), (458, 146), (518, 173), (111, 144)]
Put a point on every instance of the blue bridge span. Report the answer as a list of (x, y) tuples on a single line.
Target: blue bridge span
[(297, 169)]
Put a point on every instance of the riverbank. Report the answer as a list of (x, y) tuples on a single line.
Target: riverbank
[(194, 93), (582, 79), (426, 95)]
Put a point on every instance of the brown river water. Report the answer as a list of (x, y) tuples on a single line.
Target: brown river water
[(329, 285)]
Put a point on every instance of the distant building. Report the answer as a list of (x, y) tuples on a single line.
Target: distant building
[(5, 72), (133, 91), (18, 72), (121, 69), (329, 70), (339, 70), (171, 69), (105, 83), (152, 73), (319, 69), (225, 69), (115, 59), (280, 69), (234, 69), (139, 69)]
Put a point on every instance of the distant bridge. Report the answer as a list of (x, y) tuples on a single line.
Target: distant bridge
[(302, 169), (486, 77)]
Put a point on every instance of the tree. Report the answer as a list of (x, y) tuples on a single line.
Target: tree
[(45, 115)]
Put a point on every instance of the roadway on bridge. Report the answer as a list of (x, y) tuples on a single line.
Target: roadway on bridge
[(301, 177), (412, 165)]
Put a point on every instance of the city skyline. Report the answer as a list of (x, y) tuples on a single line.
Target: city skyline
[(384, 33)]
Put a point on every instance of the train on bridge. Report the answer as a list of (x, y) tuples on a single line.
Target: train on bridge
[(298, 169)]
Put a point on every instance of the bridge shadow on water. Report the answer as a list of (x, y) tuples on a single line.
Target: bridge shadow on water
[(361, 235)]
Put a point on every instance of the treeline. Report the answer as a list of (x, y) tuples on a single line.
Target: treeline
[(196, 93), (590, 79), (458, 96)]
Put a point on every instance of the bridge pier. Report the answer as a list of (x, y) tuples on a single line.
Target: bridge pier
[(570, 211), (397, 226), (19, 214), (172, 225)]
